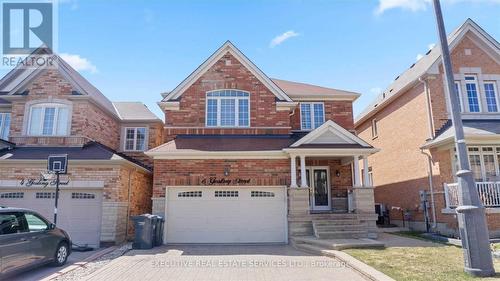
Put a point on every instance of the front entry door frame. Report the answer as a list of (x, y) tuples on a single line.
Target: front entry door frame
[(312, 186)]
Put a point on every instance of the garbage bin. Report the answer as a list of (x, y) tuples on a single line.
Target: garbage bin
[(159, 231), (154, 222), (143, 232)]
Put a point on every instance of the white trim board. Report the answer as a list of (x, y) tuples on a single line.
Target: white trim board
[(330, 126)]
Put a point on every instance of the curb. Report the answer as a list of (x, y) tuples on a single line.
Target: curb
[(357, 265), (80, 264)]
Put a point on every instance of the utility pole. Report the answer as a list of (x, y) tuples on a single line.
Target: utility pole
[(57, 197), (470, 212)]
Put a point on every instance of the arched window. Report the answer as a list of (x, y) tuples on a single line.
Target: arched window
[(228, 108), (49, 119)]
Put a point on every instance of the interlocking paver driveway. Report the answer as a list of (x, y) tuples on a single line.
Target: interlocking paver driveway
[(218, 262)]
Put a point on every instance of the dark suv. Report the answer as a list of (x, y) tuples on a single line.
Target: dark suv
[(27, 240)]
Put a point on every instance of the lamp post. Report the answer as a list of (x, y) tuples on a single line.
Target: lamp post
[(470, 212)]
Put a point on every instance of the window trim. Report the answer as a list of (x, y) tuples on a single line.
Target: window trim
[(496, 160), (146, 138), (496, 95), (458, 85), (311, 105), (219, 111), (478, 92), (3, 117), (44, 105)]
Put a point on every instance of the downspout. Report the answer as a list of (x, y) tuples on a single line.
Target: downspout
[(128, 204), (429, 157)]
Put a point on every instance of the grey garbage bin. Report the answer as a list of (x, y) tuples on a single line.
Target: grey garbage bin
[(159, 231), (154, 222), (143, 232)]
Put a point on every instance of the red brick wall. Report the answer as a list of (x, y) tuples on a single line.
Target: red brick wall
[(263, 111), (338, 111), (191, 172)]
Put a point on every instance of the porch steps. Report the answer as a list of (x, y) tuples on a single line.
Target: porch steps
[(339, 229)]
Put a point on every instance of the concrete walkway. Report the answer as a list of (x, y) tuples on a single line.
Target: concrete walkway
[(218, 262)]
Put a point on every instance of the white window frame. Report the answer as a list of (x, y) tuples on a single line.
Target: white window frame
[(311, 108), (458, 86), (3, 116), (44, 106), (497, 95), (146, 134), (374, 128), (219, 109), (481, 154), (478, 92)]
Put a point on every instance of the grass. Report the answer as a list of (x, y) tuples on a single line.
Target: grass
[(440, 263)]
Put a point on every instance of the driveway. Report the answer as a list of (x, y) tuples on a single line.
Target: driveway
[(42, 272), (218, 262)]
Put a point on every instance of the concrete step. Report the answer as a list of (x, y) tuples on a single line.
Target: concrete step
[(341, 234), (336, 222), (337, 244), (339, 227)]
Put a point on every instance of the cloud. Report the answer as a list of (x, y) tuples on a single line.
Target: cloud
[(282, 38), (430, 46), (79, 63), (419, 5)]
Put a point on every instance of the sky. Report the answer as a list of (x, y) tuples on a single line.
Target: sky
[(135, 50)]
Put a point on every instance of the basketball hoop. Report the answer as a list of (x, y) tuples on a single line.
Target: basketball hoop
[(48, 175)]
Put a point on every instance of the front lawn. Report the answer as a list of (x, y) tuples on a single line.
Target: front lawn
[(443, 262)]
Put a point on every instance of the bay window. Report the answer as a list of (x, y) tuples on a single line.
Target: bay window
[(135, 139), (227, 108), (4, 125), (48, 119), (312, 115)]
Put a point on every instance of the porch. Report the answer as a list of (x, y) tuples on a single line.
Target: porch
[(489, 193)]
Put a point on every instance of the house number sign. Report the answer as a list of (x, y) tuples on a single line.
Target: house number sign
[(224, 181), (41, 182)]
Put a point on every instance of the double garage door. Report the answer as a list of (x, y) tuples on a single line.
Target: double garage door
[(226, 215), (79, 211)]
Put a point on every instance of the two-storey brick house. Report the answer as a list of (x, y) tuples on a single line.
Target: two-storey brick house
[(410, 123), (253, 159), (54, 110)]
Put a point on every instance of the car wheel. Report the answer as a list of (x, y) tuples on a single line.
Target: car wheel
[(61, 255)]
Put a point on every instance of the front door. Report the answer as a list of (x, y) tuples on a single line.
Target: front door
[(320, 195)]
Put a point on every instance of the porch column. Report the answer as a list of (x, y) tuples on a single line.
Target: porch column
[(357, 179), (366, 177), (303, 179), (293, 171)]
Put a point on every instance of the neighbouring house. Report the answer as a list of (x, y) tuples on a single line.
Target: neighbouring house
[(249, 159), (414, 174), (55, 110)]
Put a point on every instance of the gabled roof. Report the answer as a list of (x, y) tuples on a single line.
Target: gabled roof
[(227, 47), (134, 111), (426, 65), (303, 91), (330, 133)]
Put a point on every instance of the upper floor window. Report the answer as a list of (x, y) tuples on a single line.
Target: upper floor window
[(312, 115), (228, 108), (48, 119), (491, 96), (4, 125), (472, 95), (135, 139)]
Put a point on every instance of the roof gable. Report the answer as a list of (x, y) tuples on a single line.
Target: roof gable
[(429, 65), (227, 47), (330, 133)]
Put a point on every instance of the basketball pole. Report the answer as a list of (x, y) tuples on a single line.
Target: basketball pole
[(57, 197)]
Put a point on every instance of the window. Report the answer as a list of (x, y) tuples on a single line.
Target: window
[(261, 194), (472, 96), (35, 223), (48, 119), (228, 193), (458, 91), (4, 125), (374, 128), (80, 195), (135, 139), (228, 108), (45, 195), (312, 115), (491, 97), (484, 162), (11, 223), (190, 194), (12, 195)]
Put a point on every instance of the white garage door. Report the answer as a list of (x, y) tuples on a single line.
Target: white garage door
[(226, 215), (79, 211)]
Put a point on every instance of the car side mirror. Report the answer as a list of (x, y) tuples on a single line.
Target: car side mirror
[(51, 226)]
